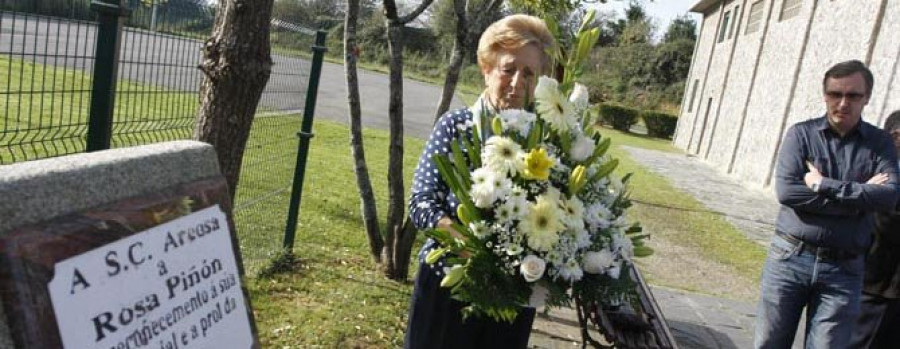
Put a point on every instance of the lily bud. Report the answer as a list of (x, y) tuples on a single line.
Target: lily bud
[(497, 126), (434, 255), (453, 277), (577, 179)]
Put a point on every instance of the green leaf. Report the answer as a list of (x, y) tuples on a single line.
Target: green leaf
[(461, 168), (642, 251), (474, 149), (605, 170)]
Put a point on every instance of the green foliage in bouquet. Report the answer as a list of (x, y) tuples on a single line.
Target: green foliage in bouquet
[(541, 217)]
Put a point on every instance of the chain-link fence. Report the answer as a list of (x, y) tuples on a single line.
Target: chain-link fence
[(48, 71)]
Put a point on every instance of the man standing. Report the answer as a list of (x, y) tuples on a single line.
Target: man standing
[(825, 223), (878, 325)]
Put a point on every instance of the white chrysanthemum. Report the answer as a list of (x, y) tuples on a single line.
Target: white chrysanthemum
[(482, 175), (503, 156), (598, 216), (542, 224), (517, 120), (596, 262), (573, 210), (551, 106), (503, 185), (570, 270), (518, 206), (480, 229), (503, 214), (514, 249), (582, 238), (484, 194), (624, 245), (580, 97), (582, 148)]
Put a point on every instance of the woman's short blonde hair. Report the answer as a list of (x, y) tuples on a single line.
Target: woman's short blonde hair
[(513, 32)]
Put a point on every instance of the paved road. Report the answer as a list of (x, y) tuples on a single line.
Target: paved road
[(171, 62)]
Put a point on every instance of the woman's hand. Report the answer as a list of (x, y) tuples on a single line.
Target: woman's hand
[(445, 223)]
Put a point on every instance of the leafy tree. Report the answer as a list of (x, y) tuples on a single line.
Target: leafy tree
[(311, 13), (681, 28), (470, 18)]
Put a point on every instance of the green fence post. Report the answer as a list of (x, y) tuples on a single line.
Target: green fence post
[(305, 134), (106, 66)]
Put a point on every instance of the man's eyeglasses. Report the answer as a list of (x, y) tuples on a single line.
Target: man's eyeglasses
[(850, 96)]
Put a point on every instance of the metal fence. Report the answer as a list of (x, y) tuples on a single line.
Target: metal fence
[(48, 69)]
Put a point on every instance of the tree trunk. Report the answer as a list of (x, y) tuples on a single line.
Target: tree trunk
[(366, 194), (460, 49), (396, 195), (397, 239), (236, 64), (403, 250)]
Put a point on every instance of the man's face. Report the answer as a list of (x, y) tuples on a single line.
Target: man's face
[(845, 98), (513, 77)]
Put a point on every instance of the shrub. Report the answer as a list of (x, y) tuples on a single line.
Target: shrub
[(659, 124), (621, 118)]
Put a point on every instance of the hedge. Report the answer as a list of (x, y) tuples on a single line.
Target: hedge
[(659, 124), (621, 118)]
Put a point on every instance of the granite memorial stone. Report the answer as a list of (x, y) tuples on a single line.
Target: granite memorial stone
[(125, 248)]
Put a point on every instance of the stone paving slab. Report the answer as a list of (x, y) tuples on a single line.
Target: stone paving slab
[(696, 321), (751, 211)]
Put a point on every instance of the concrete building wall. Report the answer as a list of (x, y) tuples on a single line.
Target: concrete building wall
[(691, 107), (832, 39), (885, 65), (738, 84), (716, 79), (777, 68)]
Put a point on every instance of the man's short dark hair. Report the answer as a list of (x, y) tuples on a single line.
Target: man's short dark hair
[(845, 69), (893, 121)]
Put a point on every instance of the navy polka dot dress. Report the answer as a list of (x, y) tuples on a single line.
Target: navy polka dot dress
[(435, 318), (431, 199)]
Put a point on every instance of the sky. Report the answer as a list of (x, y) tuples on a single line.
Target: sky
[(663, 10)]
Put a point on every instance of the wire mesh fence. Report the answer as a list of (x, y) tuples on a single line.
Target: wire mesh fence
[(47, 67)]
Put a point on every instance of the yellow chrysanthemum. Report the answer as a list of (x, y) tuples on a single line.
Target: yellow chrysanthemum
[(537, 164)]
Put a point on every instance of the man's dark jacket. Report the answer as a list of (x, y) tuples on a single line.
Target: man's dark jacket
[(883, 262)]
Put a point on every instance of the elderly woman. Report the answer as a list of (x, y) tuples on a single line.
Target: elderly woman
[(511, 55)]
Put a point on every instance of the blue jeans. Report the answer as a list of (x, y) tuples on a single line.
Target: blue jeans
[(794, 278)]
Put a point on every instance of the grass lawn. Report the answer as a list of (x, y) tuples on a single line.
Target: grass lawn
[(337, 298), (44, 111), (677, 219)]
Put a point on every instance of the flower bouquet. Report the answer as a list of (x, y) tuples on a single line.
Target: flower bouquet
[(542, 218)]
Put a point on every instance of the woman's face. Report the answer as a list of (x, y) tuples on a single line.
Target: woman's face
[(513, 77)]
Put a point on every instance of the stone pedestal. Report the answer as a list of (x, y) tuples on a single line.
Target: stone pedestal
[(94, 245)]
